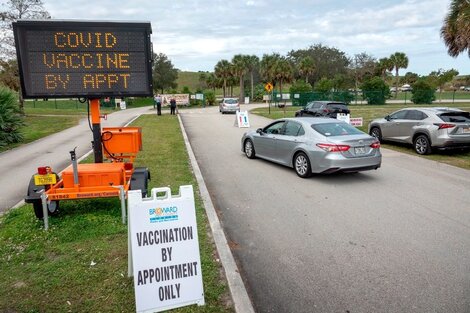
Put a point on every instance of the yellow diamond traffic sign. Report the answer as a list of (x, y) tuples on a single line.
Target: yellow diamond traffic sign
[(268, 87)]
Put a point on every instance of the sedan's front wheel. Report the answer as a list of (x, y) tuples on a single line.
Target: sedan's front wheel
[(249, 149), (302, 165)]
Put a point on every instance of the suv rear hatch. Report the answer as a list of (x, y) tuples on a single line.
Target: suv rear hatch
[(457, 125)]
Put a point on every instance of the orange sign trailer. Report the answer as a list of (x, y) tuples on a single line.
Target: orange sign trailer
[(94, 180), (91, 60)]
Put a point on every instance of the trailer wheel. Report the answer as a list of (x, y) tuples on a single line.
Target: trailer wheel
[(34, 197), (52, 208)]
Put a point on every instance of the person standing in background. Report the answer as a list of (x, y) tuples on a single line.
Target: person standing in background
[(172, 106), (158, 101)]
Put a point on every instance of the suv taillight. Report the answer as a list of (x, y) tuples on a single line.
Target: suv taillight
[(444, 125), (333, 148)]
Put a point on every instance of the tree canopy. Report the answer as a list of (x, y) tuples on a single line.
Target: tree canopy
[(164, 73), (328, 61), (456, 28)]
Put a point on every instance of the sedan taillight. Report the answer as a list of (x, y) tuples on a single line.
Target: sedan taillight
[(375, 145), (333, 148), (444, 125)]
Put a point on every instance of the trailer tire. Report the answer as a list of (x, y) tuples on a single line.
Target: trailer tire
[(52, 209), (34, 197)]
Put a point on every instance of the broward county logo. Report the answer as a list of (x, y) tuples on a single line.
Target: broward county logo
[(163, 214)]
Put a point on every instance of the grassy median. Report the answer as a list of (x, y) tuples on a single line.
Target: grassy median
[(80, 264)]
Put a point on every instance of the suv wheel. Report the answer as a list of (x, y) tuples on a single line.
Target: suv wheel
[(376, 132), (422, 145)]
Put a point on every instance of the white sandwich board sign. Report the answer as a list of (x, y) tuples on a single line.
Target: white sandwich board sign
[(242, 119), (165, 250)]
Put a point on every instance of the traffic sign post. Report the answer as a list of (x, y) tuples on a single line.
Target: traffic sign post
[(269, 88)]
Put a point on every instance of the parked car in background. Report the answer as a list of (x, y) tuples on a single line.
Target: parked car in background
[(323, 109), (229, 105), (425, 128), (313, 145)]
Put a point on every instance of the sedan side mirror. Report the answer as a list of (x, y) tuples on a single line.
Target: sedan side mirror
[(259, 131), (387, 118)]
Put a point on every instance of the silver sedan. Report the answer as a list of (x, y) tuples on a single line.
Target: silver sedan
[(313, 145)]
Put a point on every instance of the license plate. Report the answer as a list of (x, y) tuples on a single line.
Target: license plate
[(466, 129), (47, 179), (360, 150)]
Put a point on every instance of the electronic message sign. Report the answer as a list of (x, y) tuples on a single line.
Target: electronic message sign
[(83, 58)]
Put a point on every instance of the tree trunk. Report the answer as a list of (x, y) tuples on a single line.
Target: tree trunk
[(306, 79), (225, 85), (396, 82), (252, 91), (242, 91), (21, 102)]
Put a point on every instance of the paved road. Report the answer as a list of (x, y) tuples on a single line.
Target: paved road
[(19, 164), (392, 240)]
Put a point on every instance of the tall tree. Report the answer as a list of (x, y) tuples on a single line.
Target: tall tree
[(223, 70), (283, 72), (211, 81), (363, 67), (267, 65), (239, 69), (306, 67), (328, 61), (456, 28), (252, 64), (384, 65), (164, 73), (440, 77), (11, 11), (399, 60)]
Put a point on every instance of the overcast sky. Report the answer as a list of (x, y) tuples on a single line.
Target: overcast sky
[(196, 34)]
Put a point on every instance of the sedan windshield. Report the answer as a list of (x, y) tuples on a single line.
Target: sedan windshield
[(336, 129)]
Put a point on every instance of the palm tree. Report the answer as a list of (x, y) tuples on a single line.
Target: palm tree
[(252, 63), (267, 66), (283, 72), (211, 81), (223, 70), (306, 67), (384, 65), (239, 69), (399, 60), (456, 28)]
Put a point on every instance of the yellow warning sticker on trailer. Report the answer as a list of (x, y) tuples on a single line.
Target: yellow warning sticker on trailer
[(47, 179)]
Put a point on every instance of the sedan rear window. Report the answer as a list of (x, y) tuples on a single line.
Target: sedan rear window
[(336, 129), (455, 117), (230, 101)]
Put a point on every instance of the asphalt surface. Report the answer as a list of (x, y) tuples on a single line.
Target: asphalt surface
[(392, 240), (17, 165)]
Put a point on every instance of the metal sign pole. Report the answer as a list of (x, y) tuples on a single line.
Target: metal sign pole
[(44, 210)]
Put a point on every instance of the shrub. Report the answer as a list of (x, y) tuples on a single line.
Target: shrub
[(10, 118), (423, 92), (209, 96), (375, 91)]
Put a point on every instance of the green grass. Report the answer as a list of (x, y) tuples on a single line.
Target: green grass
[(370, 112), (51, 271), (37, 127)]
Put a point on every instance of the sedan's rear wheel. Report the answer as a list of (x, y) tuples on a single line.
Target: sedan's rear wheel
[(249, 149), (302, 165), (422, 145)]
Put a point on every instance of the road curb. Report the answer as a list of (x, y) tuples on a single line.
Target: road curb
[(237, 288)]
